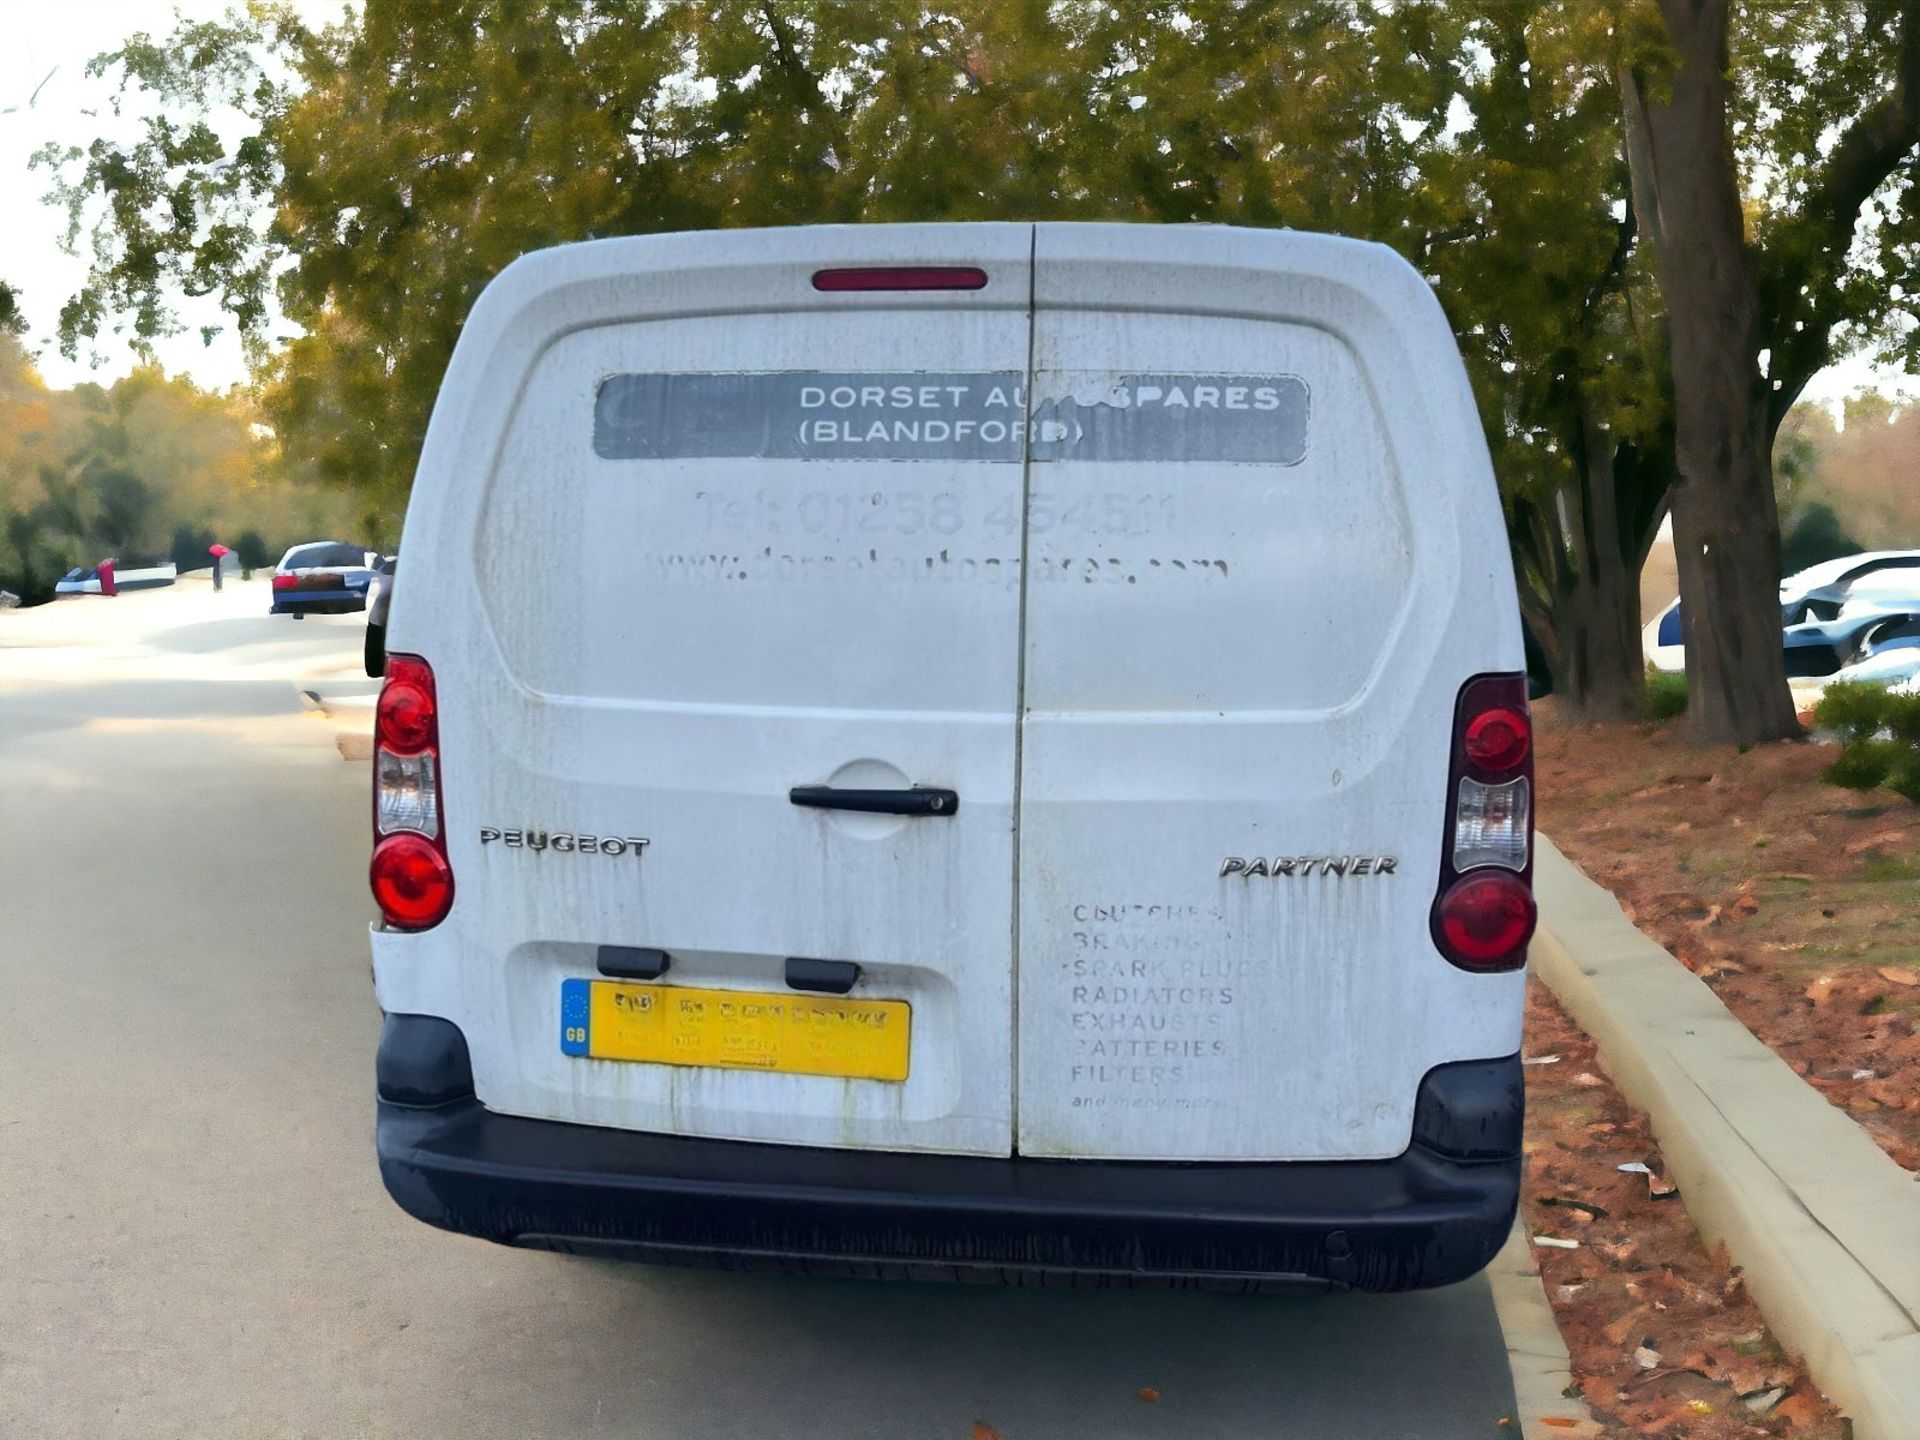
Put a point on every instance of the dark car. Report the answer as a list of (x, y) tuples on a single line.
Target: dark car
[(325, 577)]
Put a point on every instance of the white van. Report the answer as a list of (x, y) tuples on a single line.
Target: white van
[(958, 750)]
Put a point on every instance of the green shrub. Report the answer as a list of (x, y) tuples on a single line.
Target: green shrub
[(1666, 694), (1879, 737)]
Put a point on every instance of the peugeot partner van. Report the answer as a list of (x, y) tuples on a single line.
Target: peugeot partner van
[(970, 751)]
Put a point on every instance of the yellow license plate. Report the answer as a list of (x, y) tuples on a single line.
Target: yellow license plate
[(735, 1029)]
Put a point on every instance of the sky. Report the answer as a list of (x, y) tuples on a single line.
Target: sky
[(52, 42)]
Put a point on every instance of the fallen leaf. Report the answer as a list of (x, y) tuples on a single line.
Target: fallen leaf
[(1149, 1394), (1699, 1407), (1541, 1060), (1802, 1408), (1585, 1211), (1747, 904), (1559, 1422), (1617, 1332), (1764, 1401), (1587, 1079), (1646, 1357), (1874, 842), (1897, 975), (1621, 1253), (983, 1431), (1553, 1243)]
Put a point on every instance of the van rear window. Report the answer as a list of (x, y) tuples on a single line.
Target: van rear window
[(926, 415)]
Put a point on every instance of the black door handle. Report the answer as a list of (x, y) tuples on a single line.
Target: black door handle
[(920, 800)]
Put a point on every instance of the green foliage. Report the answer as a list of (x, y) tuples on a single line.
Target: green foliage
[(252, 551), (1879, 734), (150, 466), (418, 150), (1826, 118), (407, 153), (1666, 694)]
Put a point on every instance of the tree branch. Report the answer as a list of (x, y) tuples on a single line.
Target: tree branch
[(806, 81), (1860, 161)]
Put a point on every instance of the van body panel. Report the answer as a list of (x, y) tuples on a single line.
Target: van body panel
[(655, 640), (1260, 660)]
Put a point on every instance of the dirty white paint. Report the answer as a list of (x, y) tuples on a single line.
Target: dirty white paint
[(658, 636)]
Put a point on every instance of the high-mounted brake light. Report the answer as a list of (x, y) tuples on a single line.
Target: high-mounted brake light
[(902, 277), (411, 877), (1483, 914)]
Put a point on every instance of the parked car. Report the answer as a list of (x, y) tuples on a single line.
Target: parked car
[(136, 574), (1823, 591), (1824, 610), (1886, 652), (1099, 849), (322, 577)]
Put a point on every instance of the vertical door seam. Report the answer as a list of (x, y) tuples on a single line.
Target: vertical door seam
[(1020, 687)]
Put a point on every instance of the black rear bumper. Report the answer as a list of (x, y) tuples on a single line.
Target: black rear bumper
[(1433, 1215)]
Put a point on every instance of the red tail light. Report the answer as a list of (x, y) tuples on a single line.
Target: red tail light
[(285, 582), (1498, 742), (902, 277), (408, 718), (1486, 920), (1484, 914), (411, 877), (411, 881)]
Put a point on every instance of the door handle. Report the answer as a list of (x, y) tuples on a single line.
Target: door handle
[(920, 800)]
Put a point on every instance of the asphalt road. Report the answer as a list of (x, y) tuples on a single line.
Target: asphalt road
[(193, 1237)]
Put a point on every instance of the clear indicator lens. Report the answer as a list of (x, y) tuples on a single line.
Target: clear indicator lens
[(406, 794), (1492, 825)]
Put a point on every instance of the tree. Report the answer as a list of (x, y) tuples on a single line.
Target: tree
[(417, 153), (1535, 254), (1819, 104)]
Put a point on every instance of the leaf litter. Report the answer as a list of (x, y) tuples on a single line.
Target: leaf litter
[(1792, 898), (1663, 1339)]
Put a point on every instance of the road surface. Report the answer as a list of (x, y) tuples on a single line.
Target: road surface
[(193, 1237)]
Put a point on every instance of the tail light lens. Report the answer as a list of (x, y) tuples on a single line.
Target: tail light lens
[(411, 881), (411, 877), (1486, 920), (285, 582), (1484, 914)]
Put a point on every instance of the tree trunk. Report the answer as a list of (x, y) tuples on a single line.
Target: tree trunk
[(1726, 529), (1600, 619)]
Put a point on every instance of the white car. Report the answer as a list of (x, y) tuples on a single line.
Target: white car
[(1824, 610), (130, 575), (322, 577), (1027, 773)]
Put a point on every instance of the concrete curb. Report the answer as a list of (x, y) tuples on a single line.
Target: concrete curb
[(1824, 1225), (1536, 1353)]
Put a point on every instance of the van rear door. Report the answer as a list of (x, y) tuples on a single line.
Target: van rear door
[(719, 558), (1264, 552)]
